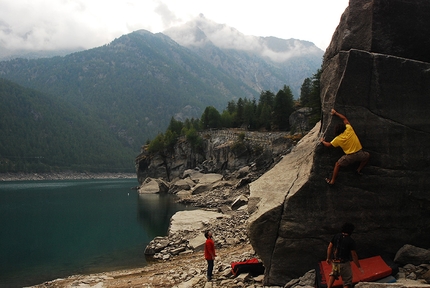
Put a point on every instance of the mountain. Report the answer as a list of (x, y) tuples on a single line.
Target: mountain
[(131, 87), (138, 81), (41, 133), (8, 54), (263, 63)]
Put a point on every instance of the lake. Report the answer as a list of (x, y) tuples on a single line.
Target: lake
[(54, 229)]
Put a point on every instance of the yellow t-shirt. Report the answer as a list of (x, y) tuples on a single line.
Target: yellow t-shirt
[(347, 140)]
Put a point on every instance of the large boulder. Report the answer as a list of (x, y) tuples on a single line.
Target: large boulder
[(367, 77), (192, 220), (393, 27), (409, 254), (153, 186)]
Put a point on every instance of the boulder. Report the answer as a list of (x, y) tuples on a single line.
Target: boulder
[(299, 120), (198, 242), (201, 188), (279, 249), (239, 202), (181, 184), (308, 279), (242, 172), (184, 193), (209, 178), (391, 27), (159, 244), (193, 174), (153, 186), (410, 254), (372, 76), (426, 276), (192, 220)]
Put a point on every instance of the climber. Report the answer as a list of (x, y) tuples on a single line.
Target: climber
[(350, 144)]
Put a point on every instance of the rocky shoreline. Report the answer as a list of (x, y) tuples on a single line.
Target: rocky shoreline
[(63, 176), (178, 257)]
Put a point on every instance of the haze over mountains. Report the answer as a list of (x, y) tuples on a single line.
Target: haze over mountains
[(130, 88), (263, 63)]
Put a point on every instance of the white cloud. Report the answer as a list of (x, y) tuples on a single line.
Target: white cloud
[(62, 24)]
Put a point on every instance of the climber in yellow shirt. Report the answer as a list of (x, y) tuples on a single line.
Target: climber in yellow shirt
[(350, 144)]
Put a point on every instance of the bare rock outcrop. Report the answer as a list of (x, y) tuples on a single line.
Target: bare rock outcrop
[(223, 152), (376, 72)]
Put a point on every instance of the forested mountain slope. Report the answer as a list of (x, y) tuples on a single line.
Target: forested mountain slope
[(135, 84), (129, 89), (42, 133)]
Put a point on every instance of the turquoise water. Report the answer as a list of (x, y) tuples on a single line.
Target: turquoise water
[(54, 229)]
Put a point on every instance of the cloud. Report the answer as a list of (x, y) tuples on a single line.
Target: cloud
[(168, 18), (201, 31), (42, 25), (68, 24)]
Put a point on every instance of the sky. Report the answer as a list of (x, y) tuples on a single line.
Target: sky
[(71, 24)]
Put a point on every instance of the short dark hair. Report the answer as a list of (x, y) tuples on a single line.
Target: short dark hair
[(207, 234), (339, 128), (348, 228)]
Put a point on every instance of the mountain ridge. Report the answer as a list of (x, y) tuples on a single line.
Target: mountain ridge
[(133, 85), (273, 57)]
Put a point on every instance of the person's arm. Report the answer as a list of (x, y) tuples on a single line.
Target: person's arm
[(329, 250), (355, 259), (212, 250), (341, 116), (325, 143)]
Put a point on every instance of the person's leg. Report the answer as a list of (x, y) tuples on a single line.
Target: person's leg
[(330, 281), (335, 172), (363, 162), (346, 274), (334, 275), (210, 269)]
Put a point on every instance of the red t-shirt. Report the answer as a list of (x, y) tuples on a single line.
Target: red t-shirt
[(209, 249)]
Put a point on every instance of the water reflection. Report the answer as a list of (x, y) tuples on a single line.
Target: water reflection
[(155, 211)]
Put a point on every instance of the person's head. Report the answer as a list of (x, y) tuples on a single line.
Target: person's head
[(208, 234), (339, 128), (348, 228)]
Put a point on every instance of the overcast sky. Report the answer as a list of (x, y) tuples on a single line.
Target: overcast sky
[(63, 24)]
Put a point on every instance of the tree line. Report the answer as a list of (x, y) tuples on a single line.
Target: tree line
[(270, 113)]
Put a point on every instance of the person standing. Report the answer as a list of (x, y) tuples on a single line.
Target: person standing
[(350, 144), (340, 251), (209, 253)]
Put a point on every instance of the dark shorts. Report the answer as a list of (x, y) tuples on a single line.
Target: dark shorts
[(348, 159), (343, 270)]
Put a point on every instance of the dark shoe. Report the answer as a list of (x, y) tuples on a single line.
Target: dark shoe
[(359, 173)]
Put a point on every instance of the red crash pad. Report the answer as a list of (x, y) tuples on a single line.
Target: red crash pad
[(374, 268)]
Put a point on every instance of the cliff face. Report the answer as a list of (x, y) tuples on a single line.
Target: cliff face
[(223, 151), (376, 73)]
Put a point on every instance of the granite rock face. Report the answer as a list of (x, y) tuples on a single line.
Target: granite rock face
[(392, 27), (377, 73)]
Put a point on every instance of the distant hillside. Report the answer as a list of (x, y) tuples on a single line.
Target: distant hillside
[(43, 133), (135, 84), (130, 88)]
